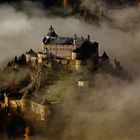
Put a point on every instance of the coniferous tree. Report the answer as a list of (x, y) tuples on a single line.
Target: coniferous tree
[(9, 64), (16, 60)]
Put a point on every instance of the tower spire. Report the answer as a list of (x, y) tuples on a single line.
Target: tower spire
[(51, 29)]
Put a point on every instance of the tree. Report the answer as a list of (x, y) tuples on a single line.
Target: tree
[(15, 59), (22, 60), (9, 64)]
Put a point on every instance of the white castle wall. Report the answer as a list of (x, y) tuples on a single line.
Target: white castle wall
[(74, 56)]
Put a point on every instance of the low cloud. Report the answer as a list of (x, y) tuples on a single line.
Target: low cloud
[(20, 32), (110, 110)]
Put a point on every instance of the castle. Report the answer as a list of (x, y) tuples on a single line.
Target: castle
[(36, 105), (72, 52), (66, 50)]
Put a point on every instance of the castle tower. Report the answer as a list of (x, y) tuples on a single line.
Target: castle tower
[(74, 41), (6, 100), (50, 35), (52, 32), (73, 55), (51, 29), (78, 65), (27, 133)]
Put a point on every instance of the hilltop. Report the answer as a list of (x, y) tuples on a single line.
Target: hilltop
[(66, 67), (60, 56)]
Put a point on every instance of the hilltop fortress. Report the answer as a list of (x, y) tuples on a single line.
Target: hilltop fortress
[(71, 51), (69, 54)]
